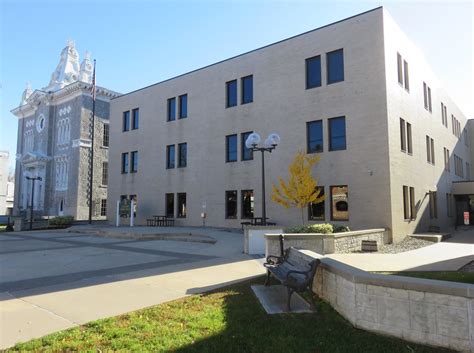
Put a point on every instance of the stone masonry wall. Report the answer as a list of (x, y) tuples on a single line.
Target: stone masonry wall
[(351, 241), (424, 311)]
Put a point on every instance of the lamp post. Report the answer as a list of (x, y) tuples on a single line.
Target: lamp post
[(268, 146), (33, 179)]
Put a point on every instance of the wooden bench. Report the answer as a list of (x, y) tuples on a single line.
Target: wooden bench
[(294, 270)]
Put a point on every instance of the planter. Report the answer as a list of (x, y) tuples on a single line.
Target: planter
[(254, 238)]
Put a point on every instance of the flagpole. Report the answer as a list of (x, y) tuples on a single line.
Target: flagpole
[(91, 161)]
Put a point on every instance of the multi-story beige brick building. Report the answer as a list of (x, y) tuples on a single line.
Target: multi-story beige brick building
[(357, 92)]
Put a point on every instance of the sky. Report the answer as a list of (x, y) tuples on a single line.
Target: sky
[(138, 43)]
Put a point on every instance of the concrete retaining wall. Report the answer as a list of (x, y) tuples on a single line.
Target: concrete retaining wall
[(325, 243), (424, 311), (254, 238)]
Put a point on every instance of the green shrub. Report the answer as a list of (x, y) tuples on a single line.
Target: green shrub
[(61, 221), (340, 229), (324, 228)]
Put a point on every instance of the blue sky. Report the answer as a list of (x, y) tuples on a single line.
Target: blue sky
[(142, 42)]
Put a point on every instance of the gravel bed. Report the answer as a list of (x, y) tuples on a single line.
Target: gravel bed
[(406, 244)]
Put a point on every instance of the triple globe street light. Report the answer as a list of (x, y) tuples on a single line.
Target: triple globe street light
[(270, 143)]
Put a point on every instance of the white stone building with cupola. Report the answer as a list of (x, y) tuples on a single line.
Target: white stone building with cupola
[(54, 142)]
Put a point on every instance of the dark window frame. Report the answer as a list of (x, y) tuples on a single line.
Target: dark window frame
[(125, 163), (242, 204), (406, 76), (409, 139), (179, 214), (183, 99), (328, 67), (227, 204), (135, 118), (309, 140), (103, 207), (182, 161), (243, 148), (403, 135), (331, 202), (126, 121), (228, 97), (170, 163), (331, 148), (133, 161), (227, 138), (243, 100), (311, 217), (400, 69), (169, 214), (308, 61), (105, 173), (106, 135), (171, 109)]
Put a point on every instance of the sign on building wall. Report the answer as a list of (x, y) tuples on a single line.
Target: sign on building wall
[(466, 218)]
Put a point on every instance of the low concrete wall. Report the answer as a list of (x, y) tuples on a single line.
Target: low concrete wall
[(424, 311), (254, 238), (325, 243)]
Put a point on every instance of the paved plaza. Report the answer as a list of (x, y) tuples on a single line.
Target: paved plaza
[(54, 280)]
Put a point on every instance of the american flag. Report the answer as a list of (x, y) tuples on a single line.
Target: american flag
[(92, 89)]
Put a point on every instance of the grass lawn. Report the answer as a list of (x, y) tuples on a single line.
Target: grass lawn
[(227, 320), (452, 276)]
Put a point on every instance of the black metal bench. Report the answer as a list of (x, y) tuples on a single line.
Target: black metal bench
[(294, 270)]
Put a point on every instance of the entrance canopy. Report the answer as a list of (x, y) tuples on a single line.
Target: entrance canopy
[(463, 188)]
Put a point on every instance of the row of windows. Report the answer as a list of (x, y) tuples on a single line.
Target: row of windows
[(181, 205), (182, 108), (427, 97), (409, 203), (336, 132), (339, 204), (334, 69), (406, 137), (133, 165), (246, 84), (64, 131), (62, 167), (247, 202), (126, 120), (231, 148), (402, 67), (182, 155)]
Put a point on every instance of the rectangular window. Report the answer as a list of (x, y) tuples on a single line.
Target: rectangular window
[(105, 173), (403, 140), (446, 116), (409, 139), (135, 118), (246, 153), (412, 203), (247, 89), (169, 199), (314, 136), (182, 155), (181, 205), (446, 159), (183, 106), (428, 149), (432, 151), (399, 67), (231, 148), (433, 205), (105, 136), (124, 163), (171, 109), (231, 204), (170, 158), (335, 66), (429, 100), (425, 95), (316, 210), (405, 75), (337, 133), (126, 121), (313, 72), (134, 162), (339, 203), (231, 93), (247, 202), (103, 207), (406, 203)]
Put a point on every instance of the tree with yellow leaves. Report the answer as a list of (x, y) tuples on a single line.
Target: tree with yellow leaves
[(301, 189)]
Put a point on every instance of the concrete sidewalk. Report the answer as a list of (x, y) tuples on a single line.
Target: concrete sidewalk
[(51, 281), (449, 255)]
